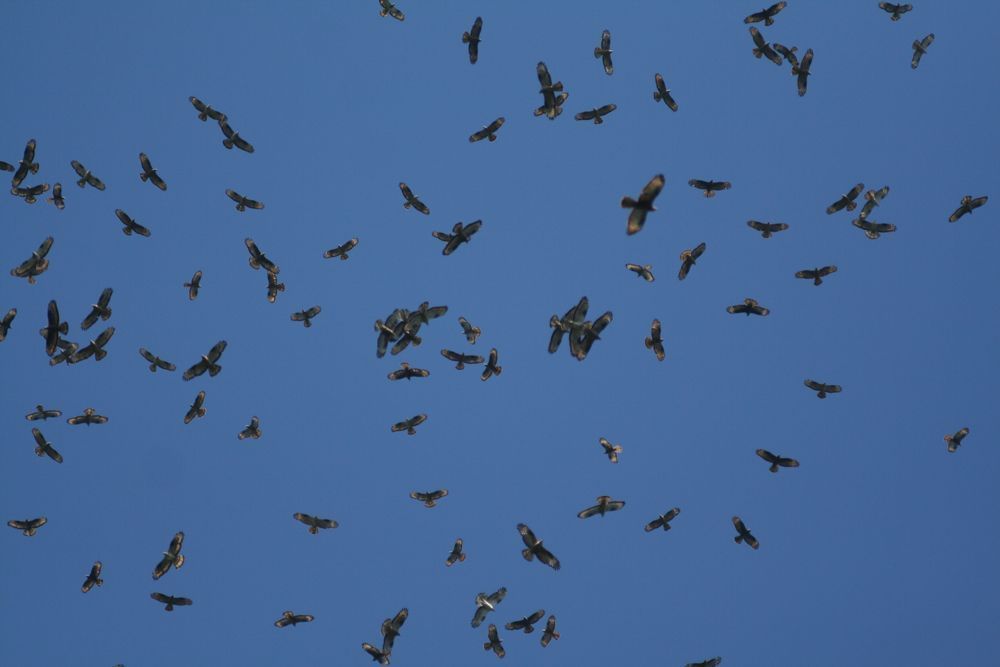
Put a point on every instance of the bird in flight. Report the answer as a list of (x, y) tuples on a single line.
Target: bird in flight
[(777, 461), (744, 534), (604, 504), (472, 39), (315, 523), (150, 174), (412, 201), (662, 93), (663, 521), (822, 389), (955, 439), (642, 206), (766, 15), (816, 275), (969, 204), (534, 548), (604, 53)]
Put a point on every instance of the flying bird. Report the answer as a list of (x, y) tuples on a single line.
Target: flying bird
[(777, 461), (194, 286), (644, 271), (44, 448), (801, 70), (251, 430), (197, 408), (88, 417), (68, 350), (315, 523), (377, 655), (429, 498), (290, 618), (95, 348), (30, 194), (273, 287), (28, 527), (589, 332), (847, 200), (788, 54), (259, 259), (85, 176), (471, 332), (488, 131), (604, 504), (569, 323), (710, 187), (604, 52), (208, 362), (170, 601), (57, 196), (459, 234), (492, 367), (689, 258), (25, 165), (99, 310), (409, 425), (762, 48), (341, 250), (897, 11), (955, 439), (873, 229), (712, 662), (873, 198), (494, 644), (243, 203), (920, 48), (50, 332), (172, 557), (552, 95), (130, 225), (662, 93), (611, 451), (766, 15), (743, 534), (654, 341), (597, 114), (389, 9), (485, 604), (472, 39), (816, 275), (34, 265), (233, 138), (412, 201), (663, 521), (749, 307), (457, 555), (94, 578), (461, 359), (390, 629), (534, 548), (644, 205), (406, 372), (150, 174), (766, 229), (155, 362), (305, 316), (968, 206), (205, 112), (550, 631), (822, 389), (42, 414)]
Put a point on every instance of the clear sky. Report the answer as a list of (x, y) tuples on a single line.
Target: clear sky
[(880, 548)]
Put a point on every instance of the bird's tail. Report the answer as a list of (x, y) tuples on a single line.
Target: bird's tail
[(229, 144), (82, 182), (307, 324), (649, 343), (628, 202), (738, 539), (180, 559), (817, 281), (100, 354), (597, 52), (465, 38), (63, 327), (774, 467), (528, 555), (143, 177), (657, 96)]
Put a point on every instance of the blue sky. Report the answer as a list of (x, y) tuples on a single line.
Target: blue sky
[(878, 548)]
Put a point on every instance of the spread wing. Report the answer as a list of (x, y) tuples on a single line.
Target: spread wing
[(547, 557), (544, 77), (652, 189), (803, 72)]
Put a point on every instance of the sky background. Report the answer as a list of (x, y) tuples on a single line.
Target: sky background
[(880, 548)]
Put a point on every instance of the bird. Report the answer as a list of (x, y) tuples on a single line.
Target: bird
[(194, 286), (85, 176), (69, 349), (409, 425), (50, 332), (406, 372), (873, 229), (273, 287), (968, 206), (526, 623), (873, 198), (36, 264), (251, 430), (31, 193), (150, 174), (604, 504), (98, 310), (208, 362), (57, 196), (243, 203), (604, 53), (376, 654), (743, 534), (492, 367), (920, 48), (801, 70), (25, 165), (412, 201), (663, 521), (44, 448), (895, 10), (749, 307), (712, 662), (390, 629), (589, 332), (472, 39), (788, 54), (662, 93), (28, 527), (155, 362), (205, 112), (88, 417), (130, 225), (389, 9), (485, 604), (642, 206), (494, 642), (94, 578), (305, 316), (710, 187), (955, 439), (341, 250), (846, 200), (95, 348), (689, 258), (171, 601), (596, 114), (461, 359), (569, 323), (457, 555), (822, 389), (429, 498), (534, 548), (289, 618), (315, 523), (424, 313), (777, 461), (654, 341), (233, 138), (459, 234), (766, 15), (644, 271), (172, 557), (197, 408), (550, 631), (488, 131), (42, 414), (816, 275), (471, 333), (762, 48), (552, 95), (611, 451), (766, 229), (259, 259)]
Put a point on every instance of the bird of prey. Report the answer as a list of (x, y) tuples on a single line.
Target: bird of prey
[(50, 332), (411, 200), (424, 313), (494, 642), (873, 198), (208, 362), (34, 265), (259, 259), (920, 48), (170, 601), (429, 498), (597, 113), (822, 389), (471, 332), (31, 193), (377, 655), (968, 205), (488, 131), (604, 52), (341, 250), (205, 112), (663, 521), (710, 187), (459, 234), (194, 285), (251, 430), (689, 258), (386, 334), (273, 287), (611, 451), (149, 174), (897, 11), (644, 205), (550, 631), (743, 534), (766, 15), (243, 203), (94, 578), (644, 271), (305, 316), (197, 408), (663, 93), (155, 362), (955, 439), (491, 368), (816, 275), (130, 225), (552, 95), (847, 200), (315, 523), (28, 527), (762, 48), (485, 604), (171, 557), (88, 417), (409, 425), (44, 448), (95, 348), (766, 229), (98, 310), (407, 334), (604, 504), (389, 9), (461, 359), (26, 164), (749, 307), (57, 196), (534, 548), (569, 323), (85, 176), (589, 332), (233, 138), (788, 54), (390, 629), (654, 341), (69, 349), (406, 372), (457, 555), (472, 39), (712, 662), (290, 618), (873, 229), (41, 413), (801, 70), (527, 623), (777, 461)]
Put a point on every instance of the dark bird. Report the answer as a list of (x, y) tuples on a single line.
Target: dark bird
[(85, 176), (873, 229), (197, 408), (955, 439), (429, 498), (777, 461), (208, 362), (569, 323), (823, 389), (289, 618), (767, 229), (410, 425), (488, 131), (251, 430), (459, 234), (194, 285), (50, 332), (273, 287), (95, 348), (597, 114), (243, 203), (897, 11), (170, 601), (526, 623), (873, 198), (99, 310), (88, 417), (34, 265), (611, 451), (644, 205), (31, 193), (425, 313), (710, 187), (171, 557), (816, 275), (589, 332), (788, 54), (472, 39), (390, 629), (94, 578), (689, 258), (259, 259), (744, 535), (68, 350), (456, 555), (406, 372), (28, 527), (494, 644), (412, 201), (534, 548), (749, 307), (389, 9), (491, 368), (920, 48), (485, 604), (766, 15), (57, 196), (604, 504), (663, 93), (404, 335), (550, 631), (205, 112), (654, 341), (604, 52), (461, 359), (155, 362), (25, 165), (233, 138), (644, 271), (712, 662), (762, 48), (42, 414), (552, 95), (847, 200), (149, 174), (663, 521), (130, 225), (471, 332), (968, 206), (377, 655), (315, 523), (341, 250), (305, 316), (44, 448), (801, 70)]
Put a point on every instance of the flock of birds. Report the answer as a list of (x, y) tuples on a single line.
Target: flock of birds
[(402, 327)]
